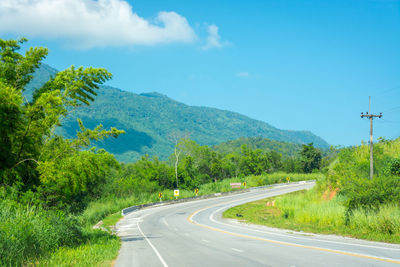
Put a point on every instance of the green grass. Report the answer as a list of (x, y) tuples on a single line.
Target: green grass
[(32, 236), (111, 220), (307, 211), (28, 233), (100, 250)]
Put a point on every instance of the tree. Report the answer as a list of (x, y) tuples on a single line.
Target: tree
[(179, 140), (310, 158), (255, 162), (31, 154)]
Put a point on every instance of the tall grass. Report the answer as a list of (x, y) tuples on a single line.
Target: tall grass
[(307, 207), (100, 250), (28, 232), (385, 221), (308, 211)]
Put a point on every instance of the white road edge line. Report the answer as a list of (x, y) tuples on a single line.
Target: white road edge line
[(316, 247), (211, 217), (154, 249), (165, 222), (204, 240), (238, 250)]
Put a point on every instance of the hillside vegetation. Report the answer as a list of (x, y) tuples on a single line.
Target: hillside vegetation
[(149, 119), (347, 202)]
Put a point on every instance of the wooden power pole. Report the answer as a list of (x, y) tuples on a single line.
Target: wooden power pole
[(371, 152)]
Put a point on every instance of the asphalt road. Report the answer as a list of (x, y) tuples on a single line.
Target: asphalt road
[(194, 234)]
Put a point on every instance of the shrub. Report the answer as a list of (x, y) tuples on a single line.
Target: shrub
[(365, 193), (393, 167)]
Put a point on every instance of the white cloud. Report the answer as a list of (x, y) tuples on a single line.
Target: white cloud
[(90, 23), (213, 39), (243, 74)]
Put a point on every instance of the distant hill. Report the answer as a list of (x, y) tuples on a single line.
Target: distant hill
[(286, 149), (149, 118)]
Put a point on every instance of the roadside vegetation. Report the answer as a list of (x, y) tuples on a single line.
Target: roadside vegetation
[(346, 202), (54, 189)]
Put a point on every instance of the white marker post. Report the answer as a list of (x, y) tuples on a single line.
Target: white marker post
[(176, 193)]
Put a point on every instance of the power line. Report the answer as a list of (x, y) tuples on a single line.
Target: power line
[(389, 121), (388, 90), (391, 109)]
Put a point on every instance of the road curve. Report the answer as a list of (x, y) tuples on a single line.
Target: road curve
[(194, 234)]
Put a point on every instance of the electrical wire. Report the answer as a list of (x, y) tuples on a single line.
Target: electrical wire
[(387, 121), (391, 109)]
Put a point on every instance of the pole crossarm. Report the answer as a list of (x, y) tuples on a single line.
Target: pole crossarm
[(371, 116)]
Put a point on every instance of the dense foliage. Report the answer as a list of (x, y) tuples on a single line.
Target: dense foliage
[(43, 176), (29, 232), (351, 175), (286, 149), (198, 165), (32, 157), (348, 202)]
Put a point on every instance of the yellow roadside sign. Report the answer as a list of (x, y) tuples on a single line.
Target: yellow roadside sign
[(160, 195), (288, 179), (196, 191), (244, 184), (176, 193)]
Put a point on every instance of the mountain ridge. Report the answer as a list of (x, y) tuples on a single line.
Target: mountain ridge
[(149, 118)]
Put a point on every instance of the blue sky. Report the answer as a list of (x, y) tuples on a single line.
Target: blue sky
[(298, 65)]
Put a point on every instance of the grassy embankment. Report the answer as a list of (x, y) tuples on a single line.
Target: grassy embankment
[(324, 213), (363, 208), (101, 248)]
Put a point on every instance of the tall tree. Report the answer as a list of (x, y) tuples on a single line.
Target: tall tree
[(178, 139), (310, 158), (31, 154)]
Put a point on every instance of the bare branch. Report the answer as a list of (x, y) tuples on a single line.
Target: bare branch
[(22, 161)]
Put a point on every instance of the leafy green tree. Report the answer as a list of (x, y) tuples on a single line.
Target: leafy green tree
[(276, 160), (310, 158), (292, 165), (145, 175), (31, 154), (254, 162), (230, 165)]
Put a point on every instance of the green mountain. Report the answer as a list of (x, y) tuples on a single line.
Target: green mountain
[(150, 118)]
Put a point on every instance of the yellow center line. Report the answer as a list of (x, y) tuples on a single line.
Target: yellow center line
[(190, 219)]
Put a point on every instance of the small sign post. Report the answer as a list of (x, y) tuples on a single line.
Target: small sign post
[(236, 185), (244, 184), (176, 193), (196, 191), (160, 196), (288, 179)]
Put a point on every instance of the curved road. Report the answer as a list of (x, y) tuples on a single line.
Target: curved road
[(194, 234)]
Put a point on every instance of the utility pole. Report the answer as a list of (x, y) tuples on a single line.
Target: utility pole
[(371, 153)]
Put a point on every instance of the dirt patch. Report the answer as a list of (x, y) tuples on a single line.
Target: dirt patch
[(270, 203), (330, 193), (272, 212)]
